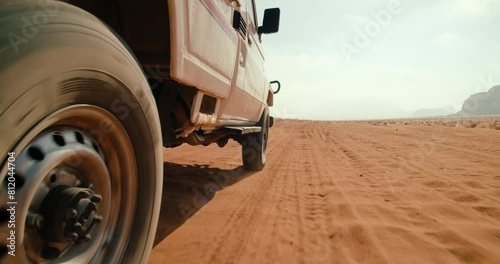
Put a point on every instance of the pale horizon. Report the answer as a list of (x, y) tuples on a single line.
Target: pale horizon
[(380, 59)]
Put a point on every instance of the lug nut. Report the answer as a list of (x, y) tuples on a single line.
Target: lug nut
[(78, 227), (34, 220), (86, 238), (71, 213), (72, 237), (84, 194), (96, 198), (97, 219)]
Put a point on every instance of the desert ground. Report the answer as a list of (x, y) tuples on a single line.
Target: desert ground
[(406, 191)]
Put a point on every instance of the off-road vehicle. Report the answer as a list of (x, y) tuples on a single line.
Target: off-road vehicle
[(90, 93)]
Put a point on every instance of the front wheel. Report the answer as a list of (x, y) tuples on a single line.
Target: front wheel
[(80, 142), (254, 146)]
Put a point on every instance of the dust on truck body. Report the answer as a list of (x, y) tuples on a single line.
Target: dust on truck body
[(90, 93)]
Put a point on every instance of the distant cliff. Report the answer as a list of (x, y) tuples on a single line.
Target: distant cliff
[(484, 103), (433, 112)]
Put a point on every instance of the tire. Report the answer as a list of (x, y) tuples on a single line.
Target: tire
[(254, 146), (80, 125)]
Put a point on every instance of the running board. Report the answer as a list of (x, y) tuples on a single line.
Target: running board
[(237, 130)]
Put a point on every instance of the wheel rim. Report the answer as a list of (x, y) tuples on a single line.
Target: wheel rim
[(75, 188)]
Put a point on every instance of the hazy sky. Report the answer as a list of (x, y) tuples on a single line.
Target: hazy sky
[(365, 59)]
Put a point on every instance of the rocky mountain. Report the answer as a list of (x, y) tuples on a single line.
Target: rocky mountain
[(433, 112), (484, 103)]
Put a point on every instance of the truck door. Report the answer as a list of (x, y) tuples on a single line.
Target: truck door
[(249, 83), (255, 80), (205, 48), (245, 99)]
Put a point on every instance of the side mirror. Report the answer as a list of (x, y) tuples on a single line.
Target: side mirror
[(271, 22)]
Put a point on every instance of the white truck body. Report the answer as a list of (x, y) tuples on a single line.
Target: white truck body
[(209, 54)]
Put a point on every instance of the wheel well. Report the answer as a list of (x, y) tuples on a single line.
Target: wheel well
[(143, 25)]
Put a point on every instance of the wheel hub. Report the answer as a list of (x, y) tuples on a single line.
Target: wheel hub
[(58, 210), (59, 168), (69, 214)]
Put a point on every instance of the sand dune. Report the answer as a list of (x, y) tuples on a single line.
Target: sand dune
[(409, 191)]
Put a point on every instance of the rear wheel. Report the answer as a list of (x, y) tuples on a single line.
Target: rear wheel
[(80, 141), (254, 146)]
